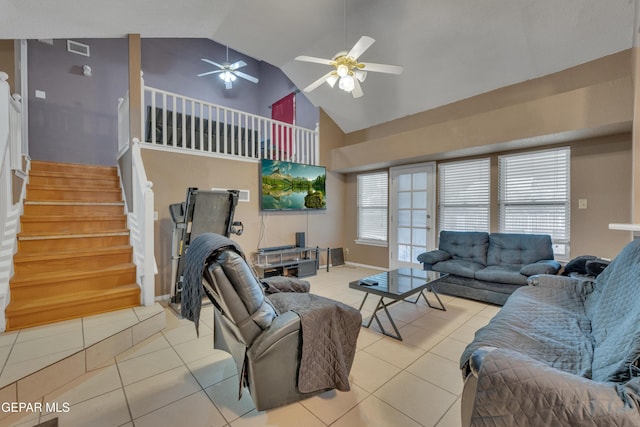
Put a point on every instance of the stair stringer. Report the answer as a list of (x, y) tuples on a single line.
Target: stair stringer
[(9, 243)]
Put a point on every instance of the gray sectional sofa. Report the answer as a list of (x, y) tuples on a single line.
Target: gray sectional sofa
[(489, 267), (562, 352)]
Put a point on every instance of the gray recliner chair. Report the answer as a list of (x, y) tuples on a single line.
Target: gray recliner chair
[(264, 339)]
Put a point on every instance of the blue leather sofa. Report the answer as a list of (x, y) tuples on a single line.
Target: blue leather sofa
[(489, 267)]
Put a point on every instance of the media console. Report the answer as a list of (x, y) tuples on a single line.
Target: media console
[(286, 261)]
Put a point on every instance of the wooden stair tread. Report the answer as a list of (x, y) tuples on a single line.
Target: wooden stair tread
[(53, 277), (73, 188), (70, 202), (38, 165), (54, 301), (70, 234), (71, 174), (56, 218), (79, 253)]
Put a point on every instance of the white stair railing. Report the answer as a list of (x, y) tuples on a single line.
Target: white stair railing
[(139, 200), (10, 169), (141, 225), (179, 122)]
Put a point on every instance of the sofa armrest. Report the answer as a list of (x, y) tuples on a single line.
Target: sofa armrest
[(514, 389), (580, 285), (547, 266), (434, 257)]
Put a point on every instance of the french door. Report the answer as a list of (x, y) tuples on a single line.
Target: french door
[(411, 214)]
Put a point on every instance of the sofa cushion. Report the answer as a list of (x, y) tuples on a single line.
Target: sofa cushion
[(518, 249), (502, 274), (615, 316), (459, 267), (466, 245)]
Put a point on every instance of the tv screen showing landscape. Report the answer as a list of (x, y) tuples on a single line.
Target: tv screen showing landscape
[(292, 186)]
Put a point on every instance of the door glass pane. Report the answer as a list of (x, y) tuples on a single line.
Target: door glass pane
[(404, 183), (420, 200), (404, 253), (404, 218), (419, 181), (404, 235), (419, 218), (419, 236), (404, 200)]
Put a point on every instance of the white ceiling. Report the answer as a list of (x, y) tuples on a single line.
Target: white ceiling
[(450, 49)]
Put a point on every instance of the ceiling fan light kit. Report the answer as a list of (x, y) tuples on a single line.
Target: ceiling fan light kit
[(228, 72), (348, 72)]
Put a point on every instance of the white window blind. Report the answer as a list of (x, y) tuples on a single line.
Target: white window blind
[(464, 191), (373, 201), (534, 195)]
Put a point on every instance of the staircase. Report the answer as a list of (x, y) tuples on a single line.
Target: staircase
[(74, 257)]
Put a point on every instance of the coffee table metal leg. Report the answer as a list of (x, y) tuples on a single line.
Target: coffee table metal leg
[(433, 291), (382, 306)]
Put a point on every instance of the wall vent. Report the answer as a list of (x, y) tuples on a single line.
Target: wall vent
[(79, 48), (243, 196)]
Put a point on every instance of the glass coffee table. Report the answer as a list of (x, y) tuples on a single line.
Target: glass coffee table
[(398, 285)]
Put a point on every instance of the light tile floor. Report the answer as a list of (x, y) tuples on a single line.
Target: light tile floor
[(176, 379)]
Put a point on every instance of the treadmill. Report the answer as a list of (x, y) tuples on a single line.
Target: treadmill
[(203, 211)]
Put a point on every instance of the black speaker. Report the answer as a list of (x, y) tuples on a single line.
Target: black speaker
[(300, 239)]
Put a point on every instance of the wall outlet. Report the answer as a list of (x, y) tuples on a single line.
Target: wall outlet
[(346, 251), (155, 215), (41, 94)]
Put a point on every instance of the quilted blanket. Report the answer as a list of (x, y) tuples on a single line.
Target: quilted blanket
[(548, 324), (329, 333)]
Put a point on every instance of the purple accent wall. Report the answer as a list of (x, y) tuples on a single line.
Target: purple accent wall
[(77, 122)]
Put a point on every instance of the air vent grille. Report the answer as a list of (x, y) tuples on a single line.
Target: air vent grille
[(243, 195), (78, 48)]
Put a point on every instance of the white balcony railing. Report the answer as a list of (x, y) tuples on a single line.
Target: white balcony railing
[(183, 123), (11, 172)]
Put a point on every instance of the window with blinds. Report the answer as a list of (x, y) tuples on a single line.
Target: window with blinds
[(373, 202), (464, 191), (534, 195)]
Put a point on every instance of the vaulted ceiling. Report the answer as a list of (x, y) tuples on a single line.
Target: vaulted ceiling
[(450, 49)]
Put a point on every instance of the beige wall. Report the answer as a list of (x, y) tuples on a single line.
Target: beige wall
[(600, 173), (581, 107), (172, 173), (592, 99)]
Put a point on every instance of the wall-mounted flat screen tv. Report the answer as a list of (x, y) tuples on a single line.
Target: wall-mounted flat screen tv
[(292, 186)]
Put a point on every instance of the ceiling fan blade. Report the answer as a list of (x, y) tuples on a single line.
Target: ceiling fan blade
[(245, 76), (209, 72), (357, 89), (358, 49), (208, 61), (318, 82), (314, 59), (238, 64), (382, 68)]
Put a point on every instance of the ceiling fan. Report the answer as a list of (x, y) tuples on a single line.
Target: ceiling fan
[(347, 70), (228, 72)]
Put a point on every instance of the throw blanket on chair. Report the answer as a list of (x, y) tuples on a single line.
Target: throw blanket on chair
[(200, 249), (329, 333)]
